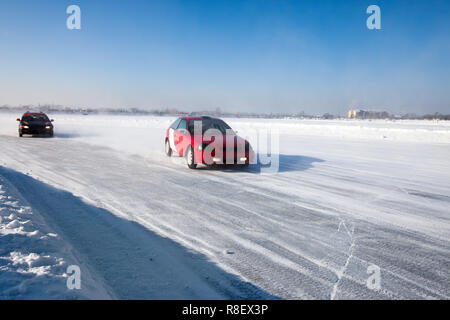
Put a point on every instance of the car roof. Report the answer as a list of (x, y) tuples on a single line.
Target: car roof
[(196, 117), (31, 114)]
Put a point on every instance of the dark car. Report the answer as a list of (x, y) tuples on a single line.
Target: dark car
[(35, 124)]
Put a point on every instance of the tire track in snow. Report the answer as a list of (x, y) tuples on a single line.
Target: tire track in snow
[(323, 216)]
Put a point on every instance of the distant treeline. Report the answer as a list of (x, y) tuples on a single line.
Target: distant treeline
[(157, 112), (387, 116), (434, 116), (217, 112)]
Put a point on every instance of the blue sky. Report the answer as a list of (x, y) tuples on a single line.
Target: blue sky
[(266, 56)]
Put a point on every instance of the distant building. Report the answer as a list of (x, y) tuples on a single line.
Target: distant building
[(352, 113), (367, 114)]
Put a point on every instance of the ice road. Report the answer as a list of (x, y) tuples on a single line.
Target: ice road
[(350, 197)]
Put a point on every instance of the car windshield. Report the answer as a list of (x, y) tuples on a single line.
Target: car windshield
[(207, 124), (34, 118)]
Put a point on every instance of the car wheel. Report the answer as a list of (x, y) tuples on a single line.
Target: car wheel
[(168, 149), (20, 135), (190, 158)]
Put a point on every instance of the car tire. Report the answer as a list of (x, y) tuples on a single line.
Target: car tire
[(167, 148), (20, 135), (190, 158)]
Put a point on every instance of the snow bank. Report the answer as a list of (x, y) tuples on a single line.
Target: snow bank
[(402, 131), (33, 258)]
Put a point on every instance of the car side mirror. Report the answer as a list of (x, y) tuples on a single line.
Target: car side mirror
[(51, 120), (17, 119)]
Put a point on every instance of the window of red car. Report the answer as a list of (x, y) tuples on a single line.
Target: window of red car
[(182, 125), (174, 125)]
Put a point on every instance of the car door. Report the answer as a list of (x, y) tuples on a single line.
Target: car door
[(181, 137)]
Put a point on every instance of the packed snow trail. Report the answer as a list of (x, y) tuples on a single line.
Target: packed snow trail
[(311, 231), (127, 259), (33, 258)]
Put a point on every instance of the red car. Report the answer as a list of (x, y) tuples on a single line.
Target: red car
[(207, 141)]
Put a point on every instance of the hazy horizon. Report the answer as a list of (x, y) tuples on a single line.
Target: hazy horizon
[(239, 56)]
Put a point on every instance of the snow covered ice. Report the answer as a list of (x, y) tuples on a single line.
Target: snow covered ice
[(348, 195)]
